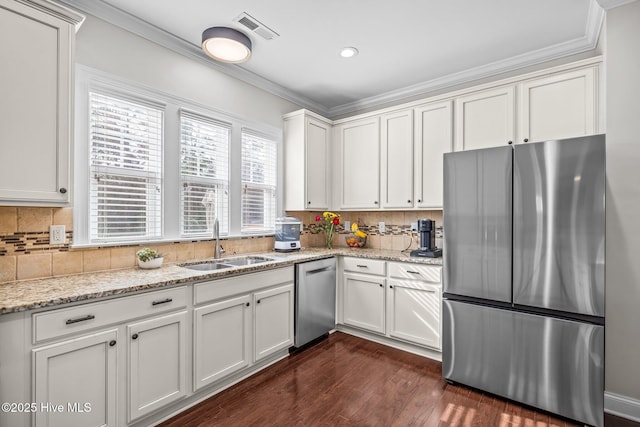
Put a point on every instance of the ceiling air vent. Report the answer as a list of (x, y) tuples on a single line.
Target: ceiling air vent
[(256, 26)]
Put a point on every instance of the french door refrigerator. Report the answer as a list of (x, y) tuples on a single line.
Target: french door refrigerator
[(523, 306)]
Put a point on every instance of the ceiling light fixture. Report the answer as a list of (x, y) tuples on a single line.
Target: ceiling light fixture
[(348, 52), (226, 45)]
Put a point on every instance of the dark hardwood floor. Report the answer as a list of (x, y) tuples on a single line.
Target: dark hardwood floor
[(348, 381)]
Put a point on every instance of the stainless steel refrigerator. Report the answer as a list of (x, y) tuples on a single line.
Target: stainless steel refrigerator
[(523, 307)]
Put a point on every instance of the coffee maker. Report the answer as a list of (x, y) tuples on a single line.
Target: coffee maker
[(427, 233)]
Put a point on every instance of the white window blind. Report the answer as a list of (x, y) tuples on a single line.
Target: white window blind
[(204, 174), (125, 169), (259, 183)]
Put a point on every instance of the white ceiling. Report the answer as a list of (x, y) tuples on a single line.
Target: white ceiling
[(407, 47)]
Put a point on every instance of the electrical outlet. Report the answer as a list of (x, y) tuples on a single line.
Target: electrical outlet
[(414, 226), (381, 227), (347, 225), (57, 235)]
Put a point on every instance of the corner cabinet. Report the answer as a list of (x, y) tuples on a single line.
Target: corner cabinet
[(307, 139), (395, 300), (36, 102), (359, 152)]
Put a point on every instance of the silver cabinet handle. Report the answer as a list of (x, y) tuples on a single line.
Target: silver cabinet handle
[(362, 266), (162, 301), (80, 319), (412, 272)]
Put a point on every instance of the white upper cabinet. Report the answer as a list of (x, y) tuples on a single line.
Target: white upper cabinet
[(433, 136), (396, 164), (359, 152), (559, 106), (485, 119), (35, 106), (306, 158)]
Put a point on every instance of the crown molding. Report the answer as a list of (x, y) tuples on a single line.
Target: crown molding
[(571, 47), (157, 35), (610, 4), (170, 41)]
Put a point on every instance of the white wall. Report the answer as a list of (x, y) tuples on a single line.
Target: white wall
[(109, 48), (622, 334)]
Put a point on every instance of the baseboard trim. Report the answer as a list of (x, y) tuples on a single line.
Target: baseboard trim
[(622, 406)]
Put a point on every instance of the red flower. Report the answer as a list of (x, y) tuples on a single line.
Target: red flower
[(336, 221), (318, 217)]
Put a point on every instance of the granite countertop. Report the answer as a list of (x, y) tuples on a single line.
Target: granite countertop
[(25, 295)]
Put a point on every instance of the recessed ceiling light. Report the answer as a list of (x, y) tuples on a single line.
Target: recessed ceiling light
[(348, 52)]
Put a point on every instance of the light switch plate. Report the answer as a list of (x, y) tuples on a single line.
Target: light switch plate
[(347, 225), (57, 234), (381, 227), (414, 226)]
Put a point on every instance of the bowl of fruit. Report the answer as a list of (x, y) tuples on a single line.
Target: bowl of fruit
[(357, 238)]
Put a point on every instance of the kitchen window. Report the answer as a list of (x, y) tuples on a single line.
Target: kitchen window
[(152, 167), (259, 183), (125, 169), (204, 174)]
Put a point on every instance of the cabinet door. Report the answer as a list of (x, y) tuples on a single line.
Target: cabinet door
[(396, 160), (559, 106), (364, 302), (360, 164), (157, 363), (273, 321), (34, 106), (316, 161), (433, 136), (485, 119), (222, 334), (76, 373), (414, 312)]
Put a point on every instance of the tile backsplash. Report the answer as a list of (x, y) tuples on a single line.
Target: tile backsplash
[(25, 252), (397, 235)]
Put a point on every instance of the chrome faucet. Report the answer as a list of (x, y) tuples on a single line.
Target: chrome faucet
[(219, 250)]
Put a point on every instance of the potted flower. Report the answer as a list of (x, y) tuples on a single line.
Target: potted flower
[(327, 223), (149, 258)]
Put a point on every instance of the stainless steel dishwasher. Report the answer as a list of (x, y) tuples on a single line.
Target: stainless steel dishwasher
[(315, 309)]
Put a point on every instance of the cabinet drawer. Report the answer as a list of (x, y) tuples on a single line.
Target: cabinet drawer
[(427, 273), (246, 283), (57, 323), (363, 265)]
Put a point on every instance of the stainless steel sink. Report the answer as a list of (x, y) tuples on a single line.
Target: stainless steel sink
[(208, 266), (227, 263), (247, 260)]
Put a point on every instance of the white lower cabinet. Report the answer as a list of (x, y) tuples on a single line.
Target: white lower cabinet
[(414, 312), (364, 301), (75, 373), (222, 339), (401, 304), (156, 363), (273, 321)]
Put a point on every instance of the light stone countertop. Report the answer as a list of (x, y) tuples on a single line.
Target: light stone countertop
[(25, 295)]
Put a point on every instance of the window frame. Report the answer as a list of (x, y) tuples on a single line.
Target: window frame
[(89, 79), (251, 133)]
